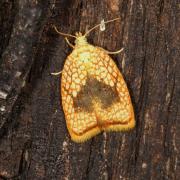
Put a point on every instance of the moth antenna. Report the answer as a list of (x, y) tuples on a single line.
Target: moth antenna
[(63, 34), (98, 25)]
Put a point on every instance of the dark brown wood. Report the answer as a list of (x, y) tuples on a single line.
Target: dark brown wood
[(34, 142)]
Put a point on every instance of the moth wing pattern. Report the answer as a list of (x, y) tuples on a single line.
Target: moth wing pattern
[(81, 125), (95, 97), (119, 115)]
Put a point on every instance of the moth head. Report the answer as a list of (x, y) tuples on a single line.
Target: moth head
[(80, 39)]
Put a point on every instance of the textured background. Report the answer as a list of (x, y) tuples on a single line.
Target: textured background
[(34, 142)]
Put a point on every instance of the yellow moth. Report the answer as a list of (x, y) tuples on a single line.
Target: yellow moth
[(95, 97)]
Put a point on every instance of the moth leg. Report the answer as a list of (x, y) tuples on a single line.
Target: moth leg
[(56, 73), (69, 43), (114, 52)]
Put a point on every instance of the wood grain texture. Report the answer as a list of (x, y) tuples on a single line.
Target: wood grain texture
[(34, 142)]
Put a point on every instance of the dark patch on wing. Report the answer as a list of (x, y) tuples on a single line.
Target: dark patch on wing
[(94, 89)]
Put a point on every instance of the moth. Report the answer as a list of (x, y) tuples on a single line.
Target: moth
[(95, 97)]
